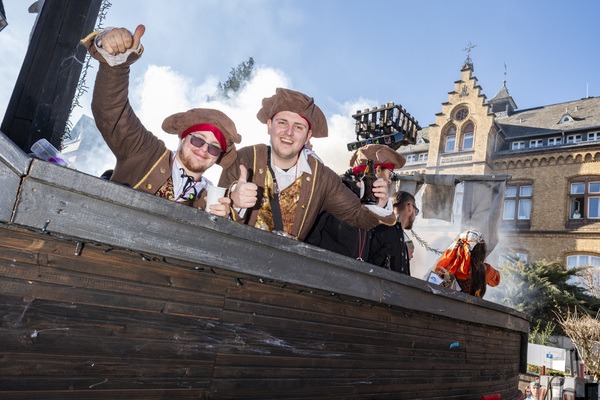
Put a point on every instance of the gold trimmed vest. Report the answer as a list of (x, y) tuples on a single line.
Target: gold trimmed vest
[(288, 201)]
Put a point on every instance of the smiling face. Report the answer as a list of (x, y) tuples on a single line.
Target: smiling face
[(196, 160), (289, 133)]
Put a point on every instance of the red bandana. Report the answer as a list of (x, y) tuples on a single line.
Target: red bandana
[(361, 168), (210, 128)]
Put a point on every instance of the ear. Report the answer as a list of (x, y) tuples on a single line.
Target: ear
[(269, 123), (308, 136)]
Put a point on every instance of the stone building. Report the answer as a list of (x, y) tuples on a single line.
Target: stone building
[(551, 207)]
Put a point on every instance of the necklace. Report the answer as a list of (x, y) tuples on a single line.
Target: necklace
[(190, 187), (362, 241)]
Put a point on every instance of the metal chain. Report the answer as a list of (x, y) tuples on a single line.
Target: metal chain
[(423, 243)]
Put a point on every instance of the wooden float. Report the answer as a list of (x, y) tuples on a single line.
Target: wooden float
[(106, 293)]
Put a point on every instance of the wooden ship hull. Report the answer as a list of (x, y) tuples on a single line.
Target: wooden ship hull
[(106, 292)]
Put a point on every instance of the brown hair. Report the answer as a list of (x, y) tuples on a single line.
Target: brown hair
[(401, 198), (476, 285)]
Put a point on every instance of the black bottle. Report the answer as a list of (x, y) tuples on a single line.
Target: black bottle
[(368, 197)]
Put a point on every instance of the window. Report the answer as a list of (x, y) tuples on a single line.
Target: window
[(566, 118), (594, 201), (553, 141), (536, 143), (589, 279), (583, 260), (423, 157), (450, 142), (584, 200), (522, 257), (511, 258), (574, 138), (461, 114), (450, 137), (593, 136), (468, 136), (411, 158), (517, 203), (518, 145)]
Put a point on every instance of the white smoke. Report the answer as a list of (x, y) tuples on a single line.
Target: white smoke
[(161, 91)]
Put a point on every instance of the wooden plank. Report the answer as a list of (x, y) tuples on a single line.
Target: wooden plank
[(12, 157), (13, 166), (158, 284), (95, 393)]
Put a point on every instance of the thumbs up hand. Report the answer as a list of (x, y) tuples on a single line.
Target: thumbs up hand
[(119, 40), (245, 193)]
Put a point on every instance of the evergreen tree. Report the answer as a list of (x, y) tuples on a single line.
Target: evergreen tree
[(542, 290), (238, 78)]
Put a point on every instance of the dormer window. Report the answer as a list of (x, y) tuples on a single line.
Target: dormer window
[(566, 118), (554, 141), (518, 145), (536, 143), (573, 139)]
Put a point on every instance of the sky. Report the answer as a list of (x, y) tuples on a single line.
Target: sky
[(347, 54)]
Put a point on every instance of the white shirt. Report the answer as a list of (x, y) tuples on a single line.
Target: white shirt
[(180, 180)]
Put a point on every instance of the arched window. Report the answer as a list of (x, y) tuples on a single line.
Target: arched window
[(589, 278), (450, 139), (468, 136), (583, 260)]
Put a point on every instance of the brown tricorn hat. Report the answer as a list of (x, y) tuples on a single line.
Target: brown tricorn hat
[(379, 153), (290, 100), (177, 123)]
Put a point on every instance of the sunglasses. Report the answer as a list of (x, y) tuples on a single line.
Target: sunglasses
[(199, 142), (416, 209)]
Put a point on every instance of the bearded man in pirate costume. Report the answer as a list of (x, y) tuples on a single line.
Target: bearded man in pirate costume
[(293, 185), (144, 163)]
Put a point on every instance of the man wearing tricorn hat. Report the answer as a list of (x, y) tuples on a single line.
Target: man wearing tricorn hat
[(207, 136), (294, 186), (332, 234)]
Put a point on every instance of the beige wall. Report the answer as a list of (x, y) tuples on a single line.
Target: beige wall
[(548, 237)]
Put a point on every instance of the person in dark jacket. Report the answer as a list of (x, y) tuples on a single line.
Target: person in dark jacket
[(332, 234), (389, 248)]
